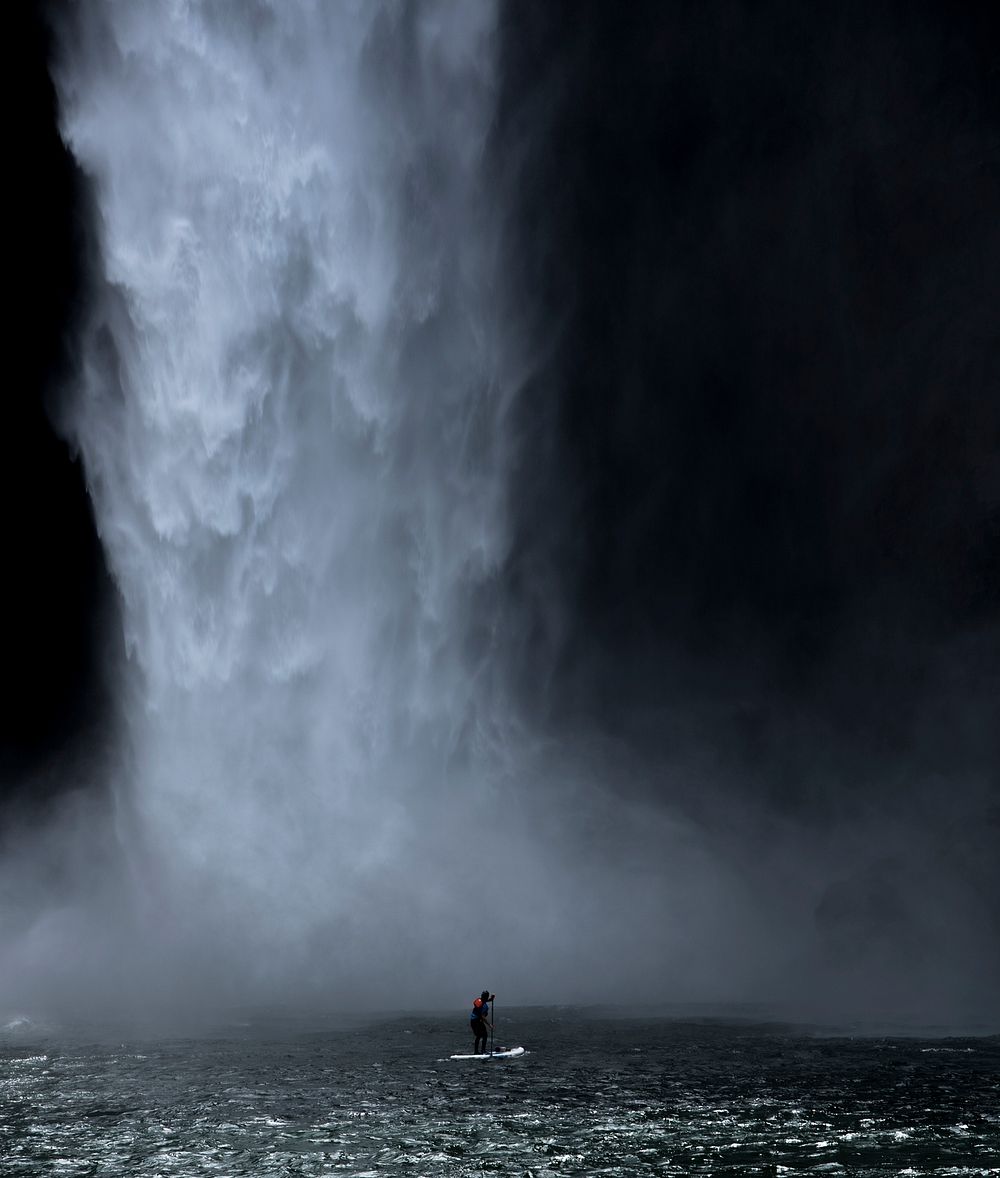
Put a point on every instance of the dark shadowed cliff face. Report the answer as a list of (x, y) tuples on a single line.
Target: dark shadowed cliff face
[(56, 595), (760, 254), (755, 252)]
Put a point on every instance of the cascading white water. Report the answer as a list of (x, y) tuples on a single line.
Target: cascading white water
[(292, 419), (290, 426)]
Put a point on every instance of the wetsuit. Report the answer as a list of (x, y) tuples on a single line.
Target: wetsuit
[(477, 1021)]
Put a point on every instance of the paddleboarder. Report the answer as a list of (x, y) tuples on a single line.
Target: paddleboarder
[(480, 1021)]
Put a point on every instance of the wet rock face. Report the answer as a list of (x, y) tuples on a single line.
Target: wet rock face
[(57, 602)]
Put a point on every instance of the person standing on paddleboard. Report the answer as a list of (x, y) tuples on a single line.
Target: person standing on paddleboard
[(480, 1022)]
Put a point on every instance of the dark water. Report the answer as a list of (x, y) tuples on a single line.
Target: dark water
[(593, 1096)]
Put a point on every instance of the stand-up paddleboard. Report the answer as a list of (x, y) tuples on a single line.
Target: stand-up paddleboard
[(500, 1053)]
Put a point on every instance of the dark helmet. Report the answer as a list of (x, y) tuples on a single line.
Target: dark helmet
[(485, 995)]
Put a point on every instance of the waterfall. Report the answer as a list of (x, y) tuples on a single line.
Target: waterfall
[(291, 423), (295, 411)]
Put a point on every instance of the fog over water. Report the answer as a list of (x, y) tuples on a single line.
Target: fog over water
[(547, 550)]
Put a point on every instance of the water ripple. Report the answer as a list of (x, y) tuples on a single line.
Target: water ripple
[(593, 1097)]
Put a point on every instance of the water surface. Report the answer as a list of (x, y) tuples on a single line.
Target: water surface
[(594, 1095)]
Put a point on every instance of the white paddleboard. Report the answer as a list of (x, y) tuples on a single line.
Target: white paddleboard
[(500, 1053)]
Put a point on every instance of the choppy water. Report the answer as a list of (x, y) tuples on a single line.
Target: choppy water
[(593, 1096)]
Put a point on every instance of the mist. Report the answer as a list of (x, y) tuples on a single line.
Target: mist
[(545, 466)]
